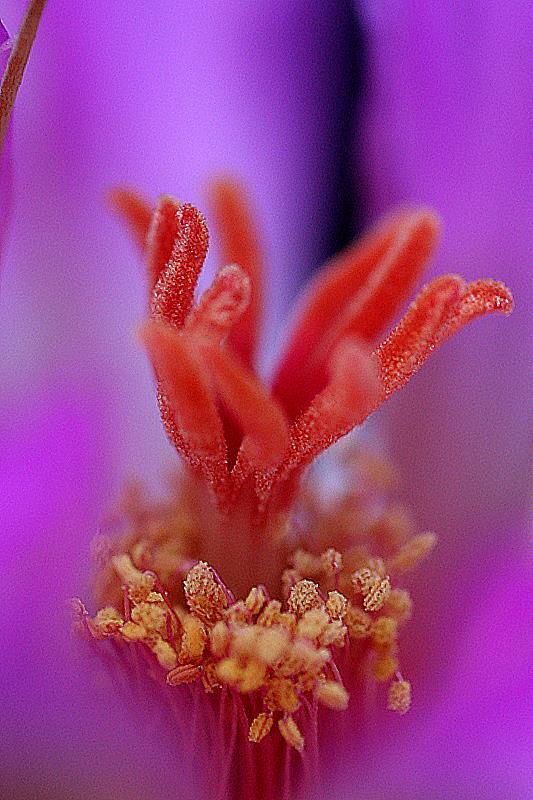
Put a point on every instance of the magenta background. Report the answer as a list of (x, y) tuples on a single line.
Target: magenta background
[(164, 100)]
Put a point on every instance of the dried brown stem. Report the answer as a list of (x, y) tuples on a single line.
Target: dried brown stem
[(17, 64)]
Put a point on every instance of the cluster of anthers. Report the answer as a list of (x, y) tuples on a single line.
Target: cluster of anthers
[(285, 652), (315, 594)]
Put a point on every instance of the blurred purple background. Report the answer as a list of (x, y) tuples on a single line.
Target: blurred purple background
[(331, 112)]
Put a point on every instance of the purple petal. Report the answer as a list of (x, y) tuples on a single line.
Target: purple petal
[(467, 733), (446, 124)]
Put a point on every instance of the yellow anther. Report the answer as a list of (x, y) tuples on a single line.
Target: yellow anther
[(304, 596), (291, 733), (193, 640), (332, 695), (142, 588), (133, 632), (336, 605), (164, 653), (229, 671), (399, 605), (246, 677), (384, 631), (256, 599), (313, 623), (209, 676), (271, 644), (399, 696), (376, 597), (358, 622), (106, 623), (237, 613), (412, 553), (152, 617), (272, 615), (384, 668), (333, 634), (219, 637), (281, 695), (252, 677), (204, 594), (365, 579), (260, 727), (186, 673)]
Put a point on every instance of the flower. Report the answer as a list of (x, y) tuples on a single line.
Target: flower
[(258, 93), (272, 618)]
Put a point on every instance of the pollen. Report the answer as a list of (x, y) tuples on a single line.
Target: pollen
[(151, 617), (336, 605), (412, 553), (373, 587), (194, 639), (260, 727), (256, 599), (365, 579), (384, 631), (399, 605), (305, 596), (204, 594), (399, 696), (332, 695), (106, 623), (219, 638), (187, 673), (134, 633), (164, 653), (281, 695), (291, 733), (358, 622), (385, 667), (142, 588), (313, 624)]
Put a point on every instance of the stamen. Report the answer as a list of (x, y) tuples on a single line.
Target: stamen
[(479, 298), (291, 733), (187, 673), (333, 695), (260, 727), (399, 697), (412, 553), (203, 593)]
